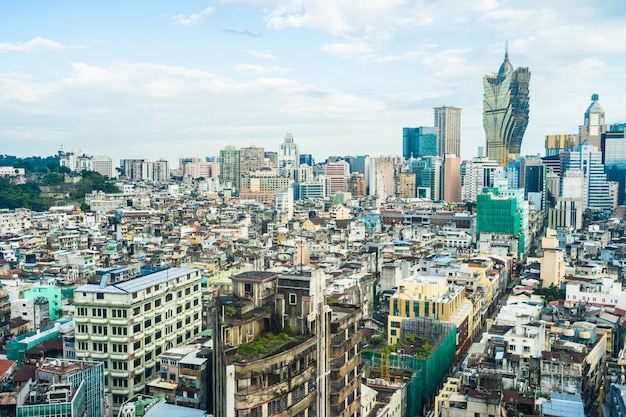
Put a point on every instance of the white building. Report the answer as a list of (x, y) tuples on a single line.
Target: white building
[(480, 172), (129, 324)]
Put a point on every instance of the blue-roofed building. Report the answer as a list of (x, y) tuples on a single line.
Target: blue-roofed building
[(563, 405)]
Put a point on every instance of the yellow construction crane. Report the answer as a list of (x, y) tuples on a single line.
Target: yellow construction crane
[(384, 364)]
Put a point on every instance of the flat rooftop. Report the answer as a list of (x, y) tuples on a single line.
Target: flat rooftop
[(138, 283)]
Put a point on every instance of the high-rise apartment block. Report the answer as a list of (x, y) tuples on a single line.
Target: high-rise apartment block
[(141, 169), (230, 172), (505, 111), (448, 124), (479, 173), (251, 159), (336, 174), (128, 323), (452, 178), (281, 350)]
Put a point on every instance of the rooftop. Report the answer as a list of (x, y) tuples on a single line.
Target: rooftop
[(139, 283)]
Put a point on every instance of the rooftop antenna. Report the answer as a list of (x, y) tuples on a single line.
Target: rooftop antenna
[(506, 49)]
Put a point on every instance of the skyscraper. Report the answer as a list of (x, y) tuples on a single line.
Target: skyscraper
[(230, 159), (505, 111), (448, 122), (288, 155), (594, 126), (419, 141), (588, 159)]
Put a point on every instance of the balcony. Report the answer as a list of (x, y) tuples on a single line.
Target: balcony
[(120, 391), (118, 339), (99, 355), (119, 374), (118, 322), (99, 338), (82, 354), (80, 319), (81, 336), (118, 356), (99, 320)]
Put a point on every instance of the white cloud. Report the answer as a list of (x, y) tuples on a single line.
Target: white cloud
[(33, 45), (344, 49), (267, 54), (260, 69), (192, 18)]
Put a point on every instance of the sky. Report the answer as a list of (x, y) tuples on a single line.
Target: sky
[(164, 79)]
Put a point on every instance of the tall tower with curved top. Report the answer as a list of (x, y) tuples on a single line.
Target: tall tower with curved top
[(505, 111)]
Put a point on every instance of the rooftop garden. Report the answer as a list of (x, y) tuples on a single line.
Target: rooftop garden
[(267, 345)]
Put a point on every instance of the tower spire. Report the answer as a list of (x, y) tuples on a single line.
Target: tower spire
[(506, 50)]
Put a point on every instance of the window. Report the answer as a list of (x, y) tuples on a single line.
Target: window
[(293, 299), (147, 307), (511, 347), (157, 303), (395, 324), (526, 349), (100, 296), (168, 297)]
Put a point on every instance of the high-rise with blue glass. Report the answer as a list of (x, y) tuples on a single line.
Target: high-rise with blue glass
[(421, 141)]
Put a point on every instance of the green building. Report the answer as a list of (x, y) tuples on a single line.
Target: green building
[(504, 211), (52, 294)]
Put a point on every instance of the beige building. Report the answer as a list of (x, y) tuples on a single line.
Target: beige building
[(552, 270), (406, 185)]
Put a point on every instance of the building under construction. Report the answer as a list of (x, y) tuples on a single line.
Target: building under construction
[(423, 375)]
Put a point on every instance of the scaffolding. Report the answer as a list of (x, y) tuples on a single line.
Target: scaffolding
[(426, 375)]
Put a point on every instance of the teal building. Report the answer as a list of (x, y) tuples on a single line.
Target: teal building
[(52, 294), (418, 142), (504, 211)]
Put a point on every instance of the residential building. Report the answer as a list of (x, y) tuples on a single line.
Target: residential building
[(103, 165), (477, 174), (230, 174), (251, 159), (552, 262), (448, 124), (505, 111), (406, 185), (336, 175), (451, 178), (129, 323), (433, 297)]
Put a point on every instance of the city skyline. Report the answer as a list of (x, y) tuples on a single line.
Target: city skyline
[(169, 80)]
